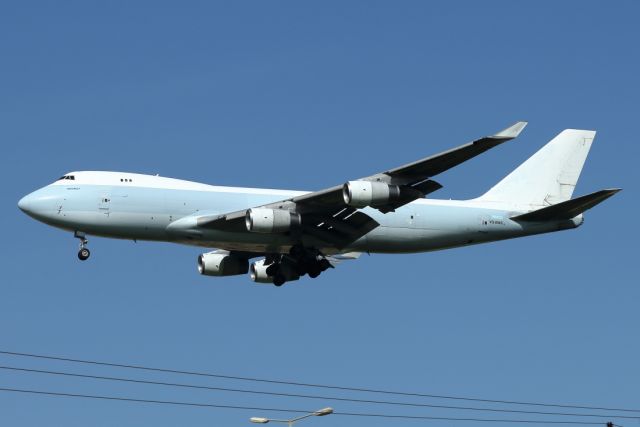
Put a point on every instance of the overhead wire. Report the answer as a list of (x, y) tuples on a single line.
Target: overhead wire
[(306, 396), (311, 385), (253, 408)]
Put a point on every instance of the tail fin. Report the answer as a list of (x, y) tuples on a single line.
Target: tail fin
[(549, 176)]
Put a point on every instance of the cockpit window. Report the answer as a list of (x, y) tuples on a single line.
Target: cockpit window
[(71, 177)]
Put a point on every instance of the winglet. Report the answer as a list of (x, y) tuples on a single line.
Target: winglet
[(511, 132)]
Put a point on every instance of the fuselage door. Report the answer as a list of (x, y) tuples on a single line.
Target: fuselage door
[(104, 203)]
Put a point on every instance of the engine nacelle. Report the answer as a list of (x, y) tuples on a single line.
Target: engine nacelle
[(264, 220), (369, 193), (219, 263), (258, 272)]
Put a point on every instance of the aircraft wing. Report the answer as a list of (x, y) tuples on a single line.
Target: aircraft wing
[(333, 216), (337, 227), (414, 177)]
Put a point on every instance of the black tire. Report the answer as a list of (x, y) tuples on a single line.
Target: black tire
[(314, 272), (301, 270), (279, 280), (324, 264), (84, 254)]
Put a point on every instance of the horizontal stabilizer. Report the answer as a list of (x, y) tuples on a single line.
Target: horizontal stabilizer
[(569, 209)]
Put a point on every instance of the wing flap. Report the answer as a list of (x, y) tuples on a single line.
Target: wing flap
[(339, 230)]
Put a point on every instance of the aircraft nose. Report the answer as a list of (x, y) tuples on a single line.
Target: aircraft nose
[(39, 204), (26, 204)]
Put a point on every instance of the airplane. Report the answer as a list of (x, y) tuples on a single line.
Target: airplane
[(297, 233)]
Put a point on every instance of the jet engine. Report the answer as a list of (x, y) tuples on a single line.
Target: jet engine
[(258, 272), (264, 220), (283, 271), (221, 263), (369, 193)]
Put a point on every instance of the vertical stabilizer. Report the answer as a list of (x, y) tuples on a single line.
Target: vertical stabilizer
[(549, 176)]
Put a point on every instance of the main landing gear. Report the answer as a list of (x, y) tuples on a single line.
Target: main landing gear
[(298, 262), (83, 253)]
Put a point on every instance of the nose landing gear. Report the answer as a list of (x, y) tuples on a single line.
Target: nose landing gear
[(83, 253)]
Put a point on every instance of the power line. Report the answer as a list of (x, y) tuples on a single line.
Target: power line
[(306, 396), (300, 384), (251, 408)]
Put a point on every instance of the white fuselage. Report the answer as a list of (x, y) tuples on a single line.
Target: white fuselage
[(144, 207)]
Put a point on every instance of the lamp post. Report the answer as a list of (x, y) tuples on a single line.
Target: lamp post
[(318, 413)]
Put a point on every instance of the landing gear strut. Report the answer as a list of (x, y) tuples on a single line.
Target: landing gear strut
[(282, 270), (83, 253), (299, 261)]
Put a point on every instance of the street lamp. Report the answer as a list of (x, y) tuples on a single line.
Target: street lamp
[(318, 413)]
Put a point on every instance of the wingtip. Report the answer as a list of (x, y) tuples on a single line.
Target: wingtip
[(512, 131)]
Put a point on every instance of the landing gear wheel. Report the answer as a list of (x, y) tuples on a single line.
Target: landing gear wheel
[(324, 264), (83, 254), (301, 269), (313, 273), (279, 280)]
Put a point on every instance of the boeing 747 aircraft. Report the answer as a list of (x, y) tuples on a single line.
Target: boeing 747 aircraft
[(294, 233)]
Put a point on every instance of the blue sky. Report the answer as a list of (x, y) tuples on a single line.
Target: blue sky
[(307, 95)]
